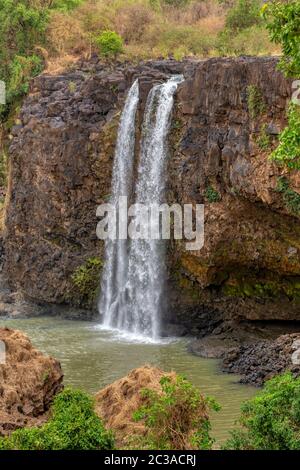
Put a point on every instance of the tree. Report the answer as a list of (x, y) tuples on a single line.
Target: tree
[(110, 43), (271, 420), (283, 23)]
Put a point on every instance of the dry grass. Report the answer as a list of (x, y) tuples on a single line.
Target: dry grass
[(149, 33), (116, 403)]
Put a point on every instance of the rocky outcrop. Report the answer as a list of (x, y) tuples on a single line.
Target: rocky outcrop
[(61, 162), (262, 360), (227, 117), (28, 382)]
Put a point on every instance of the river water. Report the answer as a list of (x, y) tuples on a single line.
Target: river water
[(92, 358)]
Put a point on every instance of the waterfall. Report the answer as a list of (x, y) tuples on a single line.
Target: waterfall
[(132, 289), (115, 263)]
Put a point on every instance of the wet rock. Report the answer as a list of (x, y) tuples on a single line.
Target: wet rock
[(264, 359)]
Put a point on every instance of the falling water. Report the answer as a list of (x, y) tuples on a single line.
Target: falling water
[(115, 266), (131, 300)]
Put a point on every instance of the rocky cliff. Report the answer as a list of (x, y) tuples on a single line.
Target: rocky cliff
[(227, 117)]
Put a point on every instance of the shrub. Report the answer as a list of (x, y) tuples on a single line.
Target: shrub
[(249, 41), (290, 197), (85, 280), (244, 14), (73, 425), (185, 38), (65, 5), (132, 21), (176, 418), (255, 101), (23, 26), (212, 195), (283, 23), (288, 151), (263, 139), (271, 420), (110, 44)]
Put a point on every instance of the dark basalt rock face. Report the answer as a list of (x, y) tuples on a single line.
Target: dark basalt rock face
[(225, 118), (264, 359), (61, 163), (60, 169)]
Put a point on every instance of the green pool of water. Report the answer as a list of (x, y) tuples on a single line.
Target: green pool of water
[(92, 358)]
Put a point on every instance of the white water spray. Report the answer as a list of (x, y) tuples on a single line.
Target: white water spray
[(116, 258), (133, 279)]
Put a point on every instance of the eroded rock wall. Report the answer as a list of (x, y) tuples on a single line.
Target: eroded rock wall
[(228, 116), (61, 161)]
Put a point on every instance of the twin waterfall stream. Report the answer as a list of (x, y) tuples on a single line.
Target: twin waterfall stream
[(133, 273)]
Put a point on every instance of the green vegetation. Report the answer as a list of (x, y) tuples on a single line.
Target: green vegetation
[(35, 33), (110, 44), (263, 140), (73, 426), (22, 26), (291, 198), (177, 418), (23, 37), (271, 420), (244, 14), (283, 23), (256, 104), (85, 283), (263, 288), (212, 194), (288, 151), (244, 31)]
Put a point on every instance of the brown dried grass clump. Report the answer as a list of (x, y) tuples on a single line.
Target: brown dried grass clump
[(28, 382), (117, 402), (132, 21), (65, 35)]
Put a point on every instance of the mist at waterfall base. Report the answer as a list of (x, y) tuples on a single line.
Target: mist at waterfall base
[(134, 270)]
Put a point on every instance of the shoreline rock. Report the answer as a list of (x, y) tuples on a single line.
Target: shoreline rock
[(255, 353)]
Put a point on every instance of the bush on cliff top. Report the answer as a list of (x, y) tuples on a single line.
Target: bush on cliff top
[(110, 44), (271, 420), (244, 14), (73, 426)]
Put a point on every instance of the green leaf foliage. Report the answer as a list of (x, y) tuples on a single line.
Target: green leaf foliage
[(271, 420), (176, 418), (288, 151), (110, 43), (283, 23), (73, 425)]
